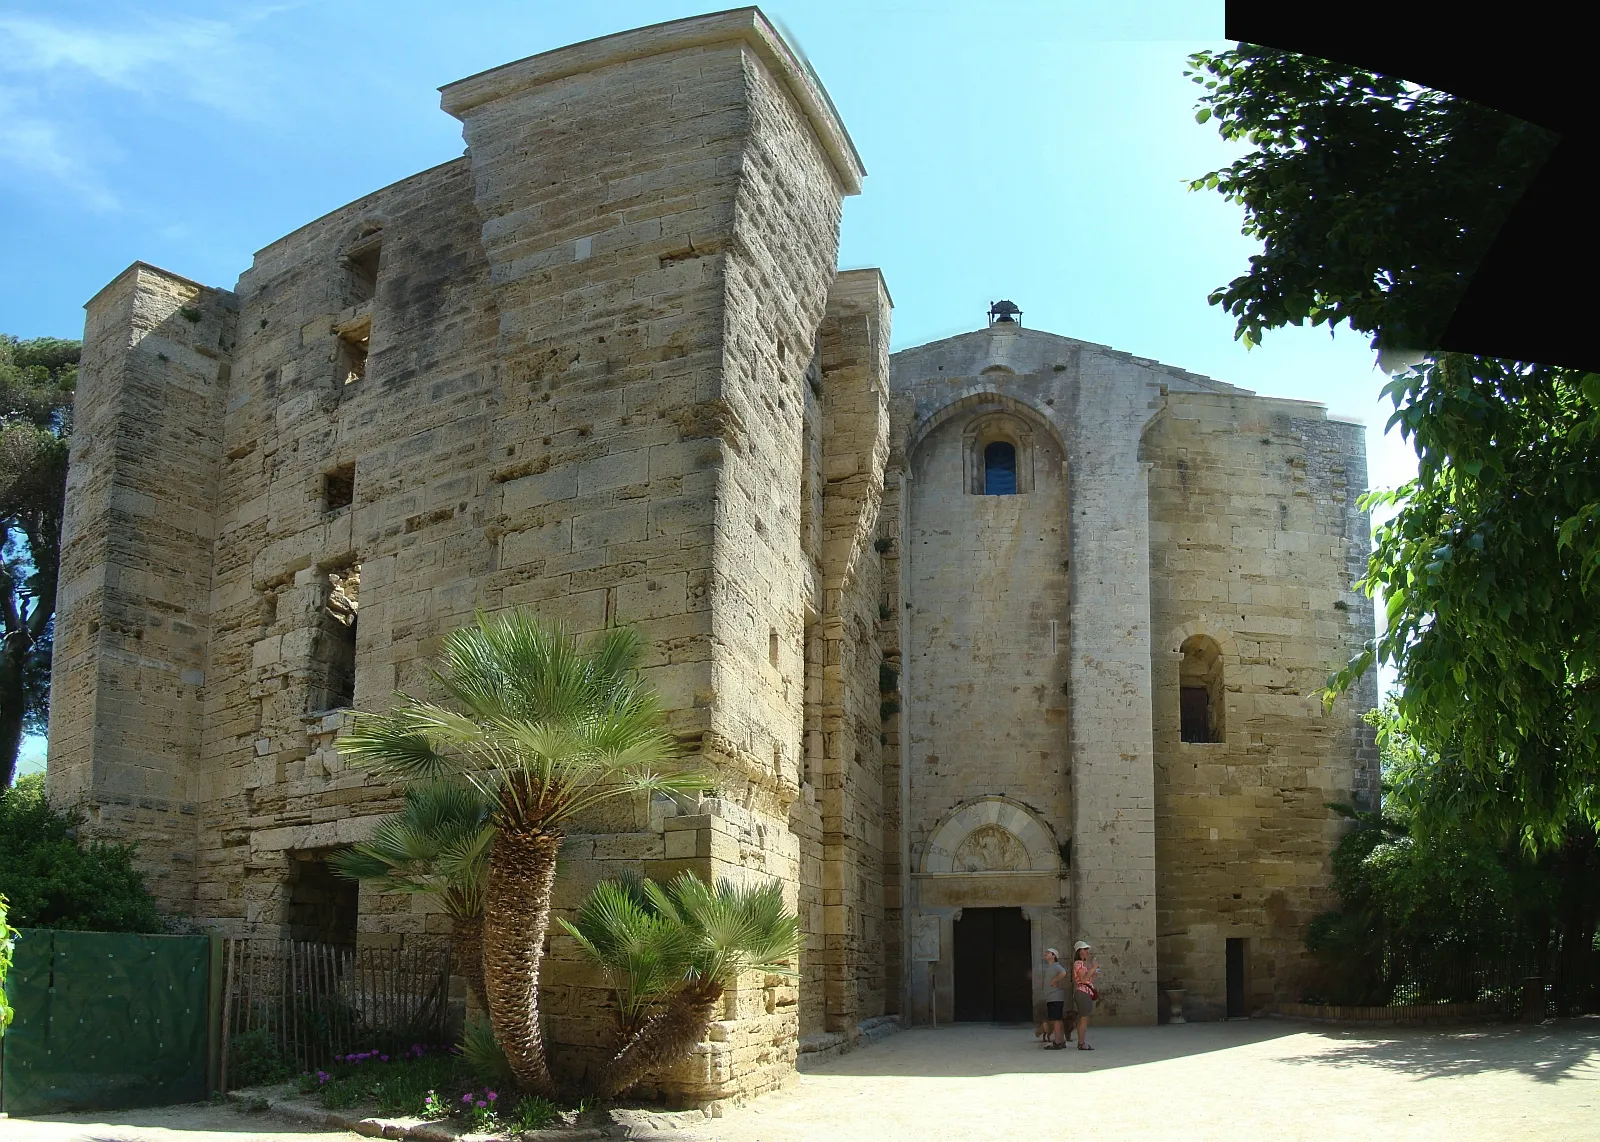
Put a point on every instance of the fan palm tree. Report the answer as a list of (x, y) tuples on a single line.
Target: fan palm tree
[(439, 844), (544, 729), (671, 952)]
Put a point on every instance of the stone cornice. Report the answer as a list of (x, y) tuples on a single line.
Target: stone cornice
[(746, 25)]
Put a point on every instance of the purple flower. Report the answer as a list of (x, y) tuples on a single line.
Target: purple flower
[(481, 1105), (466, 1099), (492, 1096), (383, 1058)]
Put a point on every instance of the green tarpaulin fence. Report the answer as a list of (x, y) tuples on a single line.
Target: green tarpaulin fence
[(107, 1020)]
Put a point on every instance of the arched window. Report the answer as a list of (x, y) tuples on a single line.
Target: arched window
[(1200, 691), (1000, 468)]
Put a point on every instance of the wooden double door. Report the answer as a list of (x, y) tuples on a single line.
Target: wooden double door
[(994, 965)]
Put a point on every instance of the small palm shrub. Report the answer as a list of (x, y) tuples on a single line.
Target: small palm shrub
[(670, 952)]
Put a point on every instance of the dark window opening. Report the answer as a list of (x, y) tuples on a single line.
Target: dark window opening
[(322, 906), (333, 645), (1200, 691), (1000, 469), (1236, 978), (362, 263), (1194, 708), (352, 353), (339, 487)]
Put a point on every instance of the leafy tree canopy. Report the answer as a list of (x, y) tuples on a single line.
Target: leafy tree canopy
[(53, 881), (37, 379), (1374, 200)]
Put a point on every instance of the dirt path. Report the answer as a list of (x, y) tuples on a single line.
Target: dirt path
[(1254, 1080), (1266, 1080)]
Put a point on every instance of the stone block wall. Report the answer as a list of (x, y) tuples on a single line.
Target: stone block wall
[(1255, 541), (134, 617)]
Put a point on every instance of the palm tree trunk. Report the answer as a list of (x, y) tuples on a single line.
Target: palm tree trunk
[(466, 946), (522, 868), (666, 1038)]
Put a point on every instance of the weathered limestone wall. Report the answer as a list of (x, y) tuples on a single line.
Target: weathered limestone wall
[(415, 429), (661, 267), (1255, 541), (854, 352), (133, 616)]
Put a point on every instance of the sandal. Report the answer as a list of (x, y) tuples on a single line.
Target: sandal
[(1084, 1047)]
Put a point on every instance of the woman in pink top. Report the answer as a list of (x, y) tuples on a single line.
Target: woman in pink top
[(1084, 969)]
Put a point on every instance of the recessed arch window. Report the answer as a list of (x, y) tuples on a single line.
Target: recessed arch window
[(1000, 468), (1200, 691)]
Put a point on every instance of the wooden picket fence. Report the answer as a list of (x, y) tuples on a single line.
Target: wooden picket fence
[(316, 1001)]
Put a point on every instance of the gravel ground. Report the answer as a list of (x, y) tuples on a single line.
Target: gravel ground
[(1264, 1079)]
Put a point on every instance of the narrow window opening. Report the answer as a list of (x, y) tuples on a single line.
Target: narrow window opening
[(816, 649), (339, 487), (362, 264), (1195, 714), (333, 647), (352, 353), (1200, 691), (1000, 469), (772, 646)]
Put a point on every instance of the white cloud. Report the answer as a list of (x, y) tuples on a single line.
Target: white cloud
[(53, 75), (33, 146)]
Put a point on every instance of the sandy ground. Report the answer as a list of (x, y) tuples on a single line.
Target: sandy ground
[(1239, 1081), (1265, 1079)]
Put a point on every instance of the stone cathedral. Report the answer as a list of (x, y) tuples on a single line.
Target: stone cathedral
[(992, 644)]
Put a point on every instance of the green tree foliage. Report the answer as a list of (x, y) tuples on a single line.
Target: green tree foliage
[(544, 729), (8, 937), (54, 881), (670, 952), (37, 379), (1374, 200), (1423, 892)]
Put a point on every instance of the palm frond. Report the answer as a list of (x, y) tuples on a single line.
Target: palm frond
[(438, 842), (543, 727)]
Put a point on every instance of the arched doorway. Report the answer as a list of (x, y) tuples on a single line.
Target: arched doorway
[(992, 966)]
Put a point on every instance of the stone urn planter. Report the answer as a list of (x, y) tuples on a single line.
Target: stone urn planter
[(1175, 1003)]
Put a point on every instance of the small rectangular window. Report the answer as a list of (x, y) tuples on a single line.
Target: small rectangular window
[(1194, 710), (352, 353), (362, 264), (339, 487)]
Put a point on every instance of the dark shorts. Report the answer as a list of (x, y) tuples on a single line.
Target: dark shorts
[(1053, 1008), (1083, 1004)]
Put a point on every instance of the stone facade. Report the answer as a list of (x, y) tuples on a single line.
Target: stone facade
[(602, 367)]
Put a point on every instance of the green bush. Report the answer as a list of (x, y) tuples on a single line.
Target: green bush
[(254, 1060), (397, 1085), (54, 881), (6, 937)]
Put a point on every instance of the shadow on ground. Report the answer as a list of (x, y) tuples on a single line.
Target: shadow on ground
[(972, 1050), (191, 1122), (1548, 1052)]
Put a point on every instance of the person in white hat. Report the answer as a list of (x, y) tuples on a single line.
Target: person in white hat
[(1055, 999), (1084, 969)]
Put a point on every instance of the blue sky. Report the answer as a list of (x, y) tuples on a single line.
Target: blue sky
[(1037, 152)]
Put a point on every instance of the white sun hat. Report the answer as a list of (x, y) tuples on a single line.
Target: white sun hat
[(1080, 945)]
